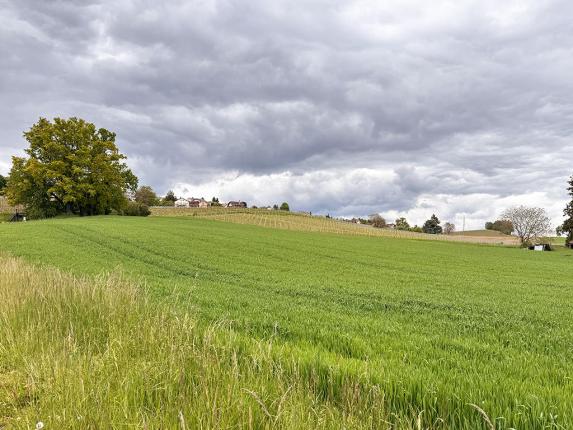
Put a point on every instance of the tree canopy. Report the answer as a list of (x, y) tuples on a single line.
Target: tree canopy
[(146, 196), (70, 167), (529, 223), (285, 206), (432, 226), (502, 225), (402, 224), (567, 226), (2, 184)]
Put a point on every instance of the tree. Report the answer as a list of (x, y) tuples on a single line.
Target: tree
[(449, 228), (377, 221), (275, 207), (402, 224), (70, 167), (284, 207), (170, 197), (215, 202), (567, 226), (432, 226), (529, 222), (2, 184), (146, 196), (489, 225), (503, 226)]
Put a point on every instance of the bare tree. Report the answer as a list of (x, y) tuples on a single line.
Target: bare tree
[(529, 223), (449, 228), (377, 221)]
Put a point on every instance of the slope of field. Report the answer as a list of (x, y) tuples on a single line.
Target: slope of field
[(300, 222), (418, 330), (481, 233)]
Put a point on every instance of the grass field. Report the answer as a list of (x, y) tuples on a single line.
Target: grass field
[(261, 327), (301, 222)]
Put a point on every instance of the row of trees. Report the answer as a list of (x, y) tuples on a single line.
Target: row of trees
[(431, 226)]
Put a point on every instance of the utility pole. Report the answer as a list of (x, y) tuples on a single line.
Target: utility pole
[(464, 224)]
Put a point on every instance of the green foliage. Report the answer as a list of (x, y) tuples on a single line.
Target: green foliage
[(284, 206), (215, 202), (382, 316), (432, 226), (70, 167), (136, 209), (402, 224), (3, 182), (567, 226), (502, 225), (170, 196), (146, 196), (416, 229)]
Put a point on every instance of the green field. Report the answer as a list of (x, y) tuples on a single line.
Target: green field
[(355, 332)]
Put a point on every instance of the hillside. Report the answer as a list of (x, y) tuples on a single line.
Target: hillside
[(301, 222), (431, 326)]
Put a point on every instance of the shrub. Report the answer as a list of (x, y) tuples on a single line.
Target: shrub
[(136, 209)]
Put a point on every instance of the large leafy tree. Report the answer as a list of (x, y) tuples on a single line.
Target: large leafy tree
[(432, 226), (70, 167), (567, 226)]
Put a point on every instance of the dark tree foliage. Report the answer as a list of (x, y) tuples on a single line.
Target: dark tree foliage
[(146, 196), (567, 226), (402, 224), (70, 167), (170, 196), (502, 225), (432, 226), (285, 207), (136, 209), (2, 184)]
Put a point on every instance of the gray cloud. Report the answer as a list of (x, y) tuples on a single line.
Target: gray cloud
[(448, 99)]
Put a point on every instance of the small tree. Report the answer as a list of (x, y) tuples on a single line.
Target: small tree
[(169, 199), (567, 226), (402, 224), (489, 225), (146, 196), (449, 228), (529, 222), (2, 184), (432, 226), (215, 202), (377, 221), (275, 207), (285, 207)]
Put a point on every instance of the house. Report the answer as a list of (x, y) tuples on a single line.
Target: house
[(239, 204), (181, 203), (198, 203)]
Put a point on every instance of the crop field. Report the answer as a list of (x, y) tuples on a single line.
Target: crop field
[(188, 322), (300, 222)]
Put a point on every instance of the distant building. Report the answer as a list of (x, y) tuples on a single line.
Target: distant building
[(239, 204), (198, 203), (181, 203)]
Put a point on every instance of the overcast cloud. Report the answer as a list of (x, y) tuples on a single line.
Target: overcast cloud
[(348, 108)]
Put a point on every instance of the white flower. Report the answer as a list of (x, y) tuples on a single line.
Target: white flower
[(39, 425)]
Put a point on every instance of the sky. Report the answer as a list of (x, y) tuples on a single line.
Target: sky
[(404, 108)]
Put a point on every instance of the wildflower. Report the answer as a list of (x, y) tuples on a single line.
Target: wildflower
[(39, 425)]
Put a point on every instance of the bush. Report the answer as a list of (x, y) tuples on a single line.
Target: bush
[(285, 207), (136, 209)]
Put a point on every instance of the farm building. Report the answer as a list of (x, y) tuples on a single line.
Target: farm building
[(238, 204), (198, 203), (181, 203)]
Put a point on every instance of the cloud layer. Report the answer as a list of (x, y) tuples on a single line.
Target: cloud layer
[(349, 108)]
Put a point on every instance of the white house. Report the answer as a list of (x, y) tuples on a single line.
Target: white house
[(181, 203)]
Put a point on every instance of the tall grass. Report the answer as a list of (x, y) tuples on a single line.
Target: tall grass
[(95, 353)]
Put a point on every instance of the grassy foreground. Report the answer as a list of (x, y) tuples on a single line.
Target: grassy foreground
[(95, 353), (238, 325)]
